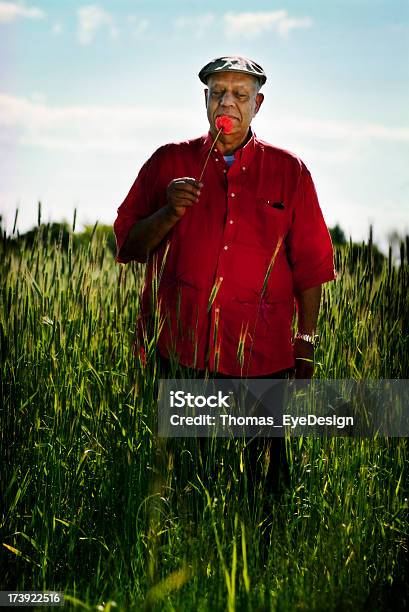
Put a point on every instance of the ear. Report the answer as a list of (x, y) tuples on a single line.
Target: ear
[(206, 93), (259, 102)]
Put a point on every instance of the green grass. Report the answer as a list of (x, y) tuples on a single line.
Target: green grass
[(91, 504)]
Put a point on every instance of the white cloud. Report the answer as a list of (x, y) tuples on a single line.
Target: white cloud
[(38, 97), (10, 11), (25, 122), (251, 25), (287, 24), (138, 25), (196, 25), (92, 18), (57, 28), (347, 131)]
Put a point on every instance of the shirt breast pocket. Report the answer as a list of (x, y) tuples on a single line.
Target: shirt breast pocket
[(271, 221)]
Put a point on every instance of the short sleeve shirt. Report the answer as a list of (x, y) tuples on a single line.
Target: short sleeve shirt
[(231, 266)]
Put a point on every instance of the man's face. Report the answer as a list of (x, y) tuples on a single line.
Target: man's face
[(235, 95)]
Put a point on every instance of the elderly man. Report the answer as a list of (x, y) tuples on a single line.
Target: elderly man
[(236, 250)]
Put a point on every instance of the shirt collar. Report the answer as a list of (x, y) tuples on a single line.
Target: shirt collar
[(244, 154)]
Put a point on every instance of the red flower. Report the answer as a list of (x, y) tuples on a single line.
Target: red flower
[(224, 123)]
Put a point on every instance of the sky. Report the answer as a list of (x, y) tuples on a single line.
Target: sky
[(88, 91)]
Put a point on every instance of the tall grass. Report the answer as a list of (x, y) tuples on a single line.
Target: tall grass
[(93, 504)]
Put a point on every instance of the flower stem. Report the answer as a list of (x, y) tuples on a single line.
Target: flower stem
[(210, 152)]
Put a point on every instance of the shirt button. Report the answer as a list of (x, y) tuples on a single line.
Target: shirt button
[(225, 247), (220, 278), (243, 167), (231, 221), (225, 170), (217, 309), (216, 159), (233, 195)]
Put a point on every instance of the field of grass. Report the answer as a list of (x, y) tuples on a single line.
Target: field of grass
[(92, 503)]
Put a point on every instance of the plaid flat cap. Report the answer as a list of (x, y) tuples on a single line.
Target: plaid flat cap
[(233, 63)]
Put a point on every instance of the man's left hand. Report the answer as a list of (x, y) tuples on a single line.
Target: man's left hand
[(304, 359)]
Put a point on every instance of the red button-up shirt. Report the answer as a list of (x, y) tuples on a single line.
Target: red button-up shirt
[(235, 259)]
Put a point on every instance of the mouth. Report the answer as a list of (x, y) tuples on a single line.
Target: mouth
[(226, 115)]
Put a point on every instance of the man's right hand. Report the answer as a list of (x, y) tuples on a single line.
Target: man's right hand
[(182, 193), (146, 234)]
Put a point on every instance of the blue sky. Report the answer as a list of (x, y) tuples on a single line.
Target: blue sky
[(89, 90)]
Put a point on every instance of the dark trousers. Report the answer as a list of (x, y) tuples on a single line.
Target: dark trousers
[(274, 474)]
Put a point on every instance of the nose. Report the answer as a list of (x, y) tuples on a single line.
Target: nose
[(227, 99)]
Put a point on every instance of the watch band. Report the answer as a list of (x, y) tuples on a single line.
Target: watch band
[(311, 339)]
